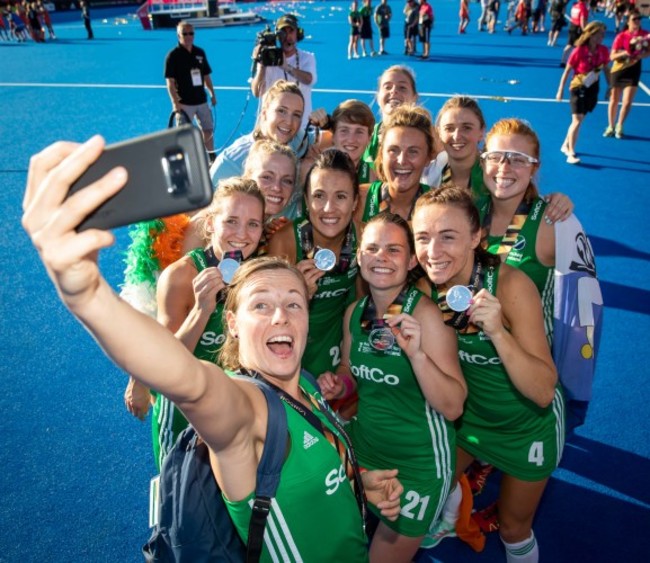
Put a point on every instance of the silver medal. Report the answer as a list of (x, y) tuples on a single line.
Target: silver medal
[(228, 267), (381, 338), (458, 298), (325, 259)]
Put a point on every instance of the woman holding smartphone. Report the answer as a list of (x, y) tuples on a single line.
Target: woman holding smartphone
[(266, 325)]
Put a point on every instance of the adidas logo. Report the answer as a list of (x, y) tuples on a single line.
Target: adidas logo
[(308, 440)]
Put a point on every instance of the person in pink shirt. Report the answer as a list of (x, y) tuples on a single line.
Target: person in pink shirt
[(630, 46), (425, 25), (586, 61), (578, 17)]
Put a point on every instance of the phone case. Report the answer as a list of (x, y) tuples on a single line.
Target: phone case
[(168, 174)]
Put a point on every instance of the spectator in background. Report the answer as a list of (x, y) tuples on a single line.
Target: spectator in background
[(493, 15), (383, 14), (483, 18), (425, 23), (85, 16), (46, 20), (187, 74), (463, 15), (587, 60), (366, 29), (354, 19), (556, 9), (35, 23), (630, 46), (410, 26), (578, 17)]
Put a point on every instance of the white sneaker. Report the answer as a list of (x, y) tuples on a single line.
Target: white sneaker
[(572, 159), (565, 149), (438, 532)]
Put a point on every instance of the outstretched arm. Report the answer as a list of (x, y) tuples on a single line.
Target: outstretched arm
[(134, 341)]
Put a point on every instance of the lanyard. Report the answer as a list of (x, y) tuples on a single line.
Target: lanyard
[(306, 236), (345, 451), (369, 320)]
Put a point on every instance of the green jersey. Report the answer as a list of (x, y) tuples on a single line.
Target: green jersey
[(378, 200), (499, 425), (370, 154), (314, 516), (476, 184), (336, 290), (523, 256), (395, 426)]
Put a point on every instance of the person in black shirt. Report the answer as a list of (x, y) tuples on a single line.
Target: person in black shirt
[(187, 73)]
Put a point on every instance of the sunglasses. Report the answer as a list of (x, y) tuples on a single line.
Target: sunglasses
[(185, 33), (515, 159), (636, 19)]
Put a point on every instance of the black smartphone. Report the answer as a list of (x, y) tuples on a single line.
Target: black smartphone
[(168, 174)]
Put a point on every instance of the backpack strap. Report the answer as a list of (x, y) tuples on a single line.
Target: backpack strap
[(268, 470)]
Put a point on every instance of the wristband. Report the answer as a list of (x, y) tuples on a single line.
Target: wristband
[(348, 385)]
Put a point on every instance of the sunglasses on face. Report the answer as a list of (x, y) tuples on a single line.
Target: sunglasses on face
[(513, 158), (635, 19), (188, 33)]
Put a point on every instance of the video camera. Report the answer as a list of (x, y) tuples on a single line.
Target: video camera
[(268, 52)]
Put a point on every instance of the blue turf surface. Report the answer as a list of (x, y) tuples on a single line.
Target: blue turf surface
[(75, 466)]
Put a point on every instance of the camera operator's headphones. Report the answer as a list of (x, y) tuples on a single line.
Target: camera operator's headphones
[(290, 19)]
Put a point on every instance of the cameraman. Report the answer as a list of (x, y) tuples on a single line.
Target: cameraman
[(297, 66)]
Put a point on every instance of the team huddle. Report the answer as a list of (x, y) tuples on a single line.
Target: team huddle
[(409, 264)]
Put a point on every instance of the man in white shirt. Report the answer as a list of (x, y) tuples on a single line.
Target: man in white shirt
[(298, 66)]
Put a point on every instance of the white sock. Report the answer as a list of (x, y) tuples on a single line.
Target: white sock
[(525, 551), (451, 510)]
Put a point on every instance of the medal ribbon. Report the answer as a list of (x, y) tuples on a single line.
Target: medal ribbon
[(512, 232), (306, 237), (459, 320), (213, 262), (369, 320), (385, 199)]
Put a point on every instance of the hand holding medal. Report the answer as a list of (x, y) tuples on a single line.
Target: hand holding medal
[(206, 287), (485, 312), (311, 273), (407, 332)]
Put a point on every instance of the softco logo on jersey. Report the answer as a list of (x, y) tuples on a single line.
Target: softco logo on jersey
[(478, 359), (331, 294), (210, 338), (334, 479), (536, 210), (374, 374)]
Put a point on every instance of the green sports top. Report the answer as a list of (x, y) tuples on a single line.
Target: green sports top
[(376, 200), (476, 184), (523, 256), (370, 154), (395, 426), (336, 290), (314, 516), (498, 424), (212, 337)]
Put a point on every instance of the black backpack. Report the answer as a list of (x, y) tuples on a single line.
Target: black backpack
[(194, 525)]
